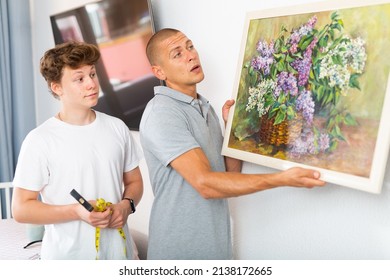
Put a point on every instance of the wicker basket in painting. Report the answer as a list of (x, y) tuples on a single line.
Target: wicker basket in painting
[(283, 133)]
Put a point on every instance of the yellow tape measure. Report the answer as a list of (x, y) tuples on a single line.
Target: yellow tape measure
[(101, 206)]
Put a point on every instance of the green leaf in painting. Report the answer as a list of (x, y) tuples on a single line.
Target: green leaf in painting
[(290, 112), (280, 117), (353, 81), (350, 120)]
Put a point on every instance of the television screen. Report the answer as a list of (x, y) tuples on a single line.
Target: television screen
[(121, 30)]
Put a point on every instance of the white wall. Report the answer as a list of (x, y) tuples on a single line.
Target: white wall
[(325, 223)]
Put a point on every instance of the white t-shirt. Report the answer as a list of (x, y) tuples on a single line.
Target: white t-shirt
[(57, 157)]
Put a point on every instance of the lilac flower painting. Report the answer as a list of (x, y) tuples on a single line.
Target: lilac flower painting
[(311, 91)]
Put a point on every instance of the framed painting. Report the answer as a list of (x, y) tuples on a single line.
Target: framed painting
[(312, 90)]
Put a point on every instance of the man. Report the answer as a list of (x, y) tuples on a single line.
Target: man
[(182, 140), (80, 149)]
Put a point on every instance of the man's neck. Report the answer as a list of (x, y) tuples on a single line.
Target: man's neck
[(188, 90)]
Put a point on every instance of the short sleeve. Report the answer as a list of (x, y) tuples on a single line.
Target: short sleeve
[(133, 153), (32, 170)]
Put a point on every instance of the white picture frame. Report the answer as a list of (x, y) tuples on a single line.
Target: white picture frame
[(358, 144)]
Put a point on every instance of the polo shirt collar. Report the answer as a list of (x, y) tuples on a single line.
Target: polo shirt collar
[(163, 90), (202, 105)]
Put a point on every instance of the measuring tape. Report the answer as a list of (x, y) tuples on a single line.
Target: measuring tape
[(101, 206)]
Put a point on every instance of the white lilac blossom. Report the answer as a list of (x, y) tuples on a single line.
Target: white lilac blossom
[(352, 54), (355, 54), (257, 94), (338, 75)]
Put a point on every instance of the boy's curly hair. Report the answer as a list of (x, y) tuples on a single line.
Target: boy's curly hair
[(70, 54)]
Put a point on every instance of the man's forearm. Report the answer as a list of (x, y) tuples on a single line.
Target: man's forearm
[(233, 165)]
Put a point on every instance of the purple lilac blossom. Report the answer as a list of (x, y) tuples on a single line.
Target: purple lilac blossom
[(265, 58), (303, 65), (306, 144), (312, 22), (323, 142), (297, 34), (298, 148), (302, 145), (305, 103), (286, 83), (265, 49)]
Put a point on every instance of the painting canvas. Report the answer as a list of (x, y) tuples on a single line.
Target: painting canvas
[(312, 90)]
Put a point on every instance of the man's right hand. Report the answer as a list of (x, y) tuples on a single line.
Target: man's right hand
[(301, 177)]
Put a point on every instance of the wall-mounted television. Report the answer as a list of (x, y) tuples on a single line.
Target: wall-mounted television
[(121, 30)]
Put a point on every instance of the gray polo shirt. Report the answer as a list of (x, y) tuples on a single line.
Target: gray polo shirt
[(183, 225)]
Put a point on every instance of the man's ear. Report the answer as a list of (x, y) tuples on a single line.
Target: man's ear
[(56, 88), (158, 72)]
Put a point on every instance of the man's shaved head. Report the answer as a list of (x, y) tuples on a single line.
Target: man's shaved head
[(155, 40)]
